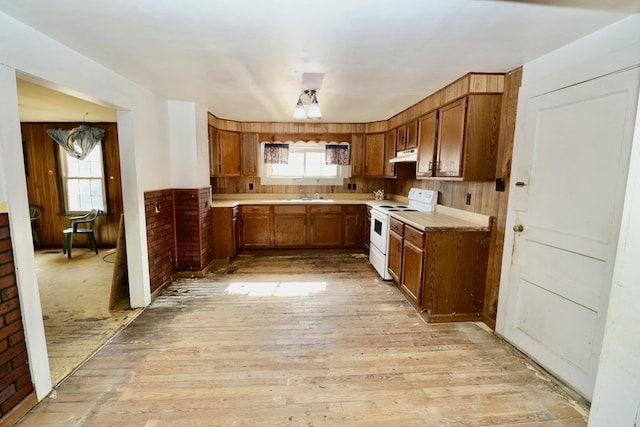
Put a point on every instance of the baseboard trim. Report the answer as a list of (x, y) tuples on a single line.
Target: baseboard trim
[(20, 410)]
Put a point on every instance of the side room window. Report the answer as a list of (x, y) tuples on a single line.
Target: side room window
[(83, 182)]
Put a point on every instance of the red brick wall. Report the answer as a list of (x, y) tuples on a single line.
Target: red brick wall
[(161, 237), (180, 236), (206, 228), (15, 378), (188, 230)]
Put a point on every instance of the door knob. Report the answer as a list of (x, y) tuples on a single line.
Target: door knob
[(518, 228)]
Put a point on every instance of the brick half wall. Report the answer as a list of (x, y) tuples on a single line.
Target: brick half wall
[(161, 237), (15, 378)]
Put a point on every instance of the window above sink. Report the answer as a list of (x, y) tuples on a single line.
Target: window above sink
[(306, 166)]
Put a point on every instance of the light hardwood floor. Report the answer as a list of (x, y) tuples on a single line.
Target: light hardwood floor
[(301, 341)]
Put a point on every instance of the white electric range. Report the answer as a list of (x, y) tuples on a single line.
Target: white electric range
[(420, 200)]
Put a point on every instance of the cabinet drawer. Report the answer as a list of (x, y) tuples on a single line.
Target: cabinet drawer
[(335, 209), (396, 226), (413, 236), (289, 210), (255, 209)]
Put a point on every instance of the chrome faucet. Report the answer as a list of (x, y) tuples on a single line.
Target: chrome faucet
[(304, 195)]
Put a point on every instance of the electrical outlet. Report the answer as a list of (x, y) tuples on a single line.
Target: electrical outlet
[(353, 186), (468, 201), (251, 186), (349, 186)]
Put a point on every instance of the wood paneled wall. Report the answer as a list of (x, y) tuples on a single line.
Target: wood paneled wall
[(43, 183)]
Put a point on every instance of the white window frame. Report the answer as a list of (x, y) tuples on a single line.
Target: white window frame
[(64, 159), (266, 178)]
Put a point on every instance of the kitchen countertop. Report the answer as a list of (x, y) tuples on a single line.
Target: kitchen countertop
[(443, 217)]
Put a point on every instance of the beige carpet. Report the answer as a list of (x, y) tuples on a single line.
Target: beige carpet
[(75, 305)]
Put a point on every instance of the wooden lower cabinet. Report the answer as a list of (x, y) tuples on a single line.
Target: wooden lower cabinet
[(412, 262), (325, 226), (441, 272), (225, 232), (455, 271), (289, 226), (300, 226), (255, 227), (350, 226)]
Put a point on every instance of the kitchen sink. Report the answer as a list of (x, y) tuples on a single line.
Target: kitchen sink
[(308, 199)]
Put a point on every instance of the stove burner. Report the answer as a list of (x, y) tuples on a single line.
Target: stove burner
[(386, 206), (409, 210)]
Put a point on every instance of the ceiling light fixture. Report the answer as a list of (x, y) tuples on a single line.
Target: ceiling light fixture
[(314, 108)]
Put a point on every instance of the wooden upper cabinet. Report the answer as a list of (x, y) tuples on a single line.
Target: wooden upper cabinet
[(427, 126), (390, 149), (412, 135), (400, 136), (214, 155), (229, 153), (451, 139), (460, 139), (250, 153), (357, 155), (224, 152), (374, 155)]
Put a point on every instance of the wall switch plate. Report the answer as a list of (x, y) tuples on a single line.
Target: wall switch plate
[(500, 186), (349, 186), (353, 186), (251, 186), (468, 201)]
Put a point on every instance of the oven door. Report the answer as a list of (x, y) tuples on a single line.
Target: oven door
[(379, 233)]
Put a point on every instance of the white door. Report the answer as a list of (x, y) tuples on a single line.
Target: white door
[(568, 179)]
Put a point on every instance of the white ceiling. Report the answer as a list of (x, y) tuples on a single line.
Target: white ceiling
[(245, 59)]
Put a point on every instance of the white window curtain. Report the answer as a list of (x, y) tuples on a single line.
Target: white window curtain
[(79, 141)]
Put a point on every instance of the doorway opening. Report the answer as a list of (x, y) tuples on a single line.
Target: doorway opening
[(84, 297)]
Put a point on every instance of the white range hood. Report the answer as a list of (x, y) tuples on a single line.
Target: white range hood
[(410, 155)]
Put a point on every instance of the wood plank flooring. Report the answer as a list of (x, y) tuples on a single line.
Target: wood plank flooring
[(315, 340)]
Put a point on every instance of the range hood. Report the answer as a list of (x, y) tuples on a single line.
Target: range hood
[(410, 155)]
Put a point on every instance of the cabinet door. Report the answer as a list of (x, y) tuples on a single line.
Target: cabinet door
[(412, 135), (394, 256), (389, 153), (249, 154), (451, 139), (325, 226), (357, 155), (350, 221), (255, 227), (401, 137), (229, 146), (427, 126), (289, 226), (214, 152), (374, 155), (223, 233), (412, 271)]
